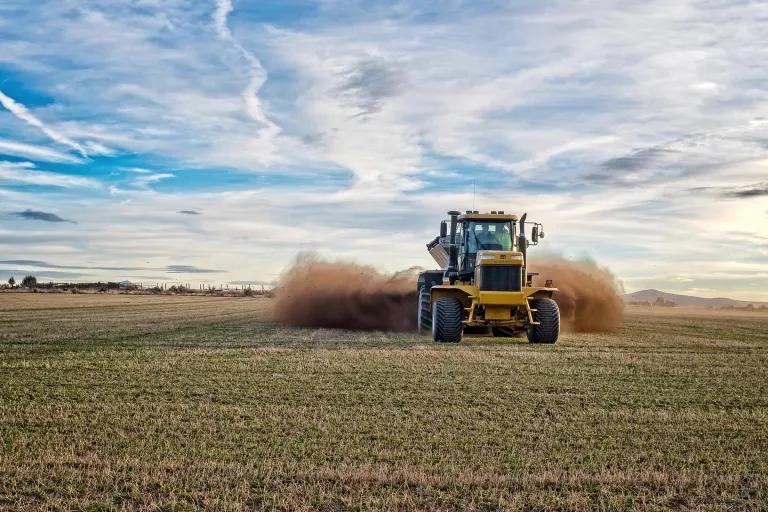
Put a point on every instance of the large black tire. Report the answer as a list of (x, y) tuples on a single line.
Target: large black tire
[(425, 311), (447, 317), (547, 314)]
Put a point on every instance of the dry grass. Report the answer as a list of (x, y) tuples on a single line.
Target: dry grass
[(184, 403)]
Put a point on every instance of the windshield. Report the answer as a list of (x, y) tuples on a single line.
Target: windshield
[(489, 236)]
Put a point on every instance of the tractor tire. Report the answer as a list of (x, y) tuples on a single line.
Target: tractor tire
[(447, 317), (506, 332), (547, 314), (425, 311)]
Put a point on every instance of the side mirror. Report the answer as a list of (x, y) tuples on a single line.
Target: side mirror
[(535, 235)]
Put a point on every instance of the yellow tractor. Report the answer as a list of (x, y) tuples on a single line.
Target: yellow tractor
[(483, 283)]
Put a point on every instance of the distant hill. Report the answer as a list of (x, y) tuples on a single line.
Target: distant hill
[(687, 300)]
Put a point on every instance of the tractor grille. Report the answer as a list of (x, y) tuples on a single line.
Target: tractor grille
[(500, 278)]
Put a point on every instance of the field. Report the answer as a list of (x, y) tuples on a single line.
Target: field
[(185, 403)]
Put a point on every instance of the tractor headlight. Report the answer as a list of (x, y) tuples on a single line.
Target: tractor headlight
[(487, 257)]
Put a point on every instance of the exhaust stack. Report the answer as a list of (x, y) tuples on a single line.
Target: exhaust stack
[(522, 244), (453, 253)]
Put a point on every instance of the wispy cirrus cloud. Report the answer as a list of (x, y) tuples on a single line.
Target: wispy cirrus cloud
[(20, 111), (9, 147), (171, 269), (258, 76), (220, 14), (26, 173), (46, 264), (44, 275), (190, 269), (145, 180)]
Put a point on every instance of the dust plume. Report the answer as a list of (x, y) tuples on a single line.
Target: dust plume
[(589, 296), (317, 293)]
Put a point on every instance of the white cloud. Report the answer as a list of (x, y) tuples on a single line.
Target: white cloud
[(24, 172), (699, 290), (355, 122), (257, 78), (9, 147), (220, 14), (20, 111), (145, 180)]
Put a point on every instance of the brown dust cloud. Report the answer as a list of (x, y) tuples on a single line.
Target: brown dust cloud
[(317, 293), (589, 296)]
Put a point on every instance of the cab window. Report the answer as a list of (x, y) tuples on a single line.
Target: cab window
[(489, 236)]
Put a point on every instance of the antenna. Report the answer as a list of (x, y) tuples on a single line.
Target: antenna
[(473, 192)]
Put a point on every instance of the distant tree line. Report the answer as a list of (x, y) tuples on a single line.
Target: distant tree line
[(658, 302), (30, 282), (27, 282), (670, 304)]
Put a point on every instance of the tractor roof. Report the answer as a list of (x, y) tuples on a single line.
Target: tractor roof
[(489, 217)]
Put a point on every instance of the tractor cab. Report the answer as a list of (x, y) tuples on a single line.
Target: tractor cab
[(487, 250), (482, 232)]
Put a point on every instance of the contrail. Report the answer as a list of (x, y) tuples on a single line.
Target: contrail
[(223, 8), (258, 73), (21, 112)]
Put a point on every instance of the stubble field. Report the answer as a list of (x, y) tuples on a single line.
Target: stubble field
[(184, 403)]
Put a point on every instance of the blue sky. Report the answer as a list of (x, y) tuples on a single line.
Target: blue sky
[(212, 141)]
